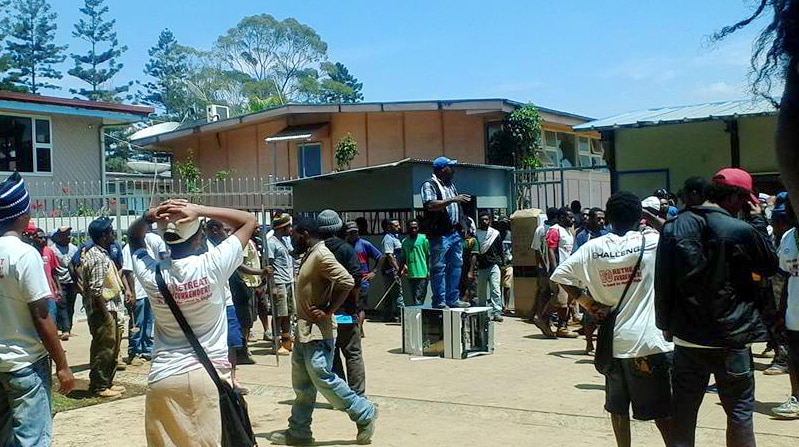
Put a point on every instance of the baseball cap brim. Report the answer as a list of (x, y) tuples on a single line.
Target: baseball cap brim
[(180, 232)]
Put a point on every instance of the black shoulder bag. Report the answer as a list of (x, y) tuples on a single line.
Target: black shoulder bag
[(236, 427), (603, 358)]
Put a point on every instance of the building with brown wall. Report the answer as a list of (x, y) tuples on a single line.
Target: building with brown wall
[(298, 140)]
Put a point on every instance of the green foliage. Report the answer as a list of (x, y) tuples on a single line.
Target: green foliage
[(29, 45), (189, 173), (274, 54), (117, 164), (337, 86), (346, 151), (97, 67), (516, 144), (168, 66)]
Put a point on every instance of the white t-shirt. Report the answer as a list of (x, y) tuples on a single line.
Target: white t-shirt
[(22, 281), (603, 266), (197, 284), (789, 262), (540, 243), (562, 239), (156, 247), (228, 293)]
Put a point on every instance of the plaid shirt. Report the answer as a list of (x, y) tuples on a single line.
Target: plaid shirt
[(430, 194), (95, 263)]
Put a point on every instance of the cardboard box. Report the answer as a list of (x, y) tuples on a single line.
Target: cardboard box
[(525, 291), (523, 224)]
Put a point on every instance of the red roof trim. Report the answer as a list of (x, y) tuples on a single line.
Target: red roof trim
[(78, 103)]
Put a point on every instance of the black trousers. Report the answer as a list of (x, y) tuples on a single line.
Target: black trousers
[(734, 373), (66, 307), (348, 345)]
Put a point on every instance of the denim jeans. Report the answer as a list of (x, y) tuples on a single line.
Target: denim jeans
[(446, 262), (66, 307), (418, 290), (490, 279), (25, 406), (734, 373), (348, 345), (310, 372), (140, 340)]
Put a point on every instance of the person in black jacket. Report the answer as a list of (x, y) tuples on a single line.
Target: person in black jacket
[(348, 337), (709, 266)]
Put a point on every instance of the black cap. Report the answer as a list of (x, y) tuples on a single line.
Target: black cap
[(99, 226)]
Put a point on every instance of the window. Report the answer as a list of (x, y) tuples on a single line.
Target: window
[(25, 144), (309, 159)]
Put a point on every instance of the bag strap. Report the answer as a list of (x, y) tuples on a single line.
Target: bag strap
[(632, 275), (202, 356)]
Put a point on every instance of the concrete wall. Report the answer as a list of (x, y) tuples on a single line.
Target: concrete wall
[(684, 149), (757, 137)]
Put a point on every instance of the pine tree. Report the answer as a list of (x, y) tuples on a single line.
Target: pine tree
[(97, 67), (168, 65), (341, 85), (30, 49)]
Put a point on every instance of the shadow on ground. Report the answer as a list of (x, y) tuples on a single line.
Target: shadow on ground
[(590, 387), (268, 437)]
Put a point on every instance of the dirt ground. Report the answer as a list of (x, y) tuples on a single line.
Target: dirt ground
[(531, 392)]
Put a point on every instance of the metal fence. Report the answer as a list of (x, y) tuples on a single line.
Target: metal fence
[(556, 187), (76, 204)]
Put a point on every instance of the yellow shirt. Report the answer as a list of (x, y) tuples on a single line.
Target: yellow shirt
[(321, 282)]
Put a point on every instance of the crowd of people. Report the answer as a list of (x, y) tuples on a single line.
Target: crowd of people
[(689, 282), (682, 295)]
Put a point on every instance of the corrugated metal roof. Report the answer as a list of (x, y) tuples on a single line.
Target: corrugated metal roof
[(365, 169), (682, 114)]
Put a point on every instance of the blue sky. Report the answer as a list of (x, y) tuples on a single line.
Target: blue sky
[(592, 57)]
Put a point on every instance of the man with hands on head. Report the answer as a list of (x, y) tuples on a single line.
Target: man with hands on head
[(182, 403)]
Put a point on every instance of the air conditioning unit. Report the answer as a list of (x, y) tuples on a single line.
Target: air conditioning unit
[(216, 112)]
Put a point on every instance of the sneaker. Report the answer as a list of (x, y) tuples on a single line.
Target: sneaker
[(284, 438), (788, 410), (118, 388), (135, 361), (367, 432), (121, 366), (545, 328), (460, 304), (766, 354), (565, 333), (108, 393), (776, 370), (267, 336), (440, 306), (498, 318), (65, 336)]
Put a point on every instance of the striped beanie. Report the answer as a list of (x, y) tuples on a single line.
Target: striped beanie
[(281, 220), (14, 198)]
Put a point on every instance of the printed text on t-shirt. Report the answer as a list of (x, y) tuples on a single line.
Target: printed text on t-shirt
[(192, 291), (618, 276)]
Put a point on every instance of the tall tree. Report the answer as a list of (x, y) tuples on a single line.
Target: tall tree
[(5, 84), (271, 52), (168, 66), (100, 64), (336, 86), (30, 46)]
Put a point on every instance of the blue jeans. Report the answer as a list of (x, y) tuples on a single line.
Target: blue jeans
[(311, 372), (488, 288), (25, 407), (446, 262), (734, 373), (140, 340)]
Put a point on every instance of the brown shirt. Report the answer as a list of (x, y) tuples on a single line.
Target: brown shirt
[(321, 282)]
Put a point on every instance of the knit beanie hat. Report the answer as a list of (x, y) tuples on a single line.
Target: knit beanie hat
[(14, 198), (329, 222), (281, 220)]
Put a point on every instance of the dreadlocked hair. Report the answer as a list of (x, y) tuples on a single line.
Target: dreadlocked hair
[(623, 208), (777, 47)]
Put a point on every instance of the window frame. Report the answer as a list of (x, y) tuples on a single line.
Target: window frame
[(301, 158), (35, 145)]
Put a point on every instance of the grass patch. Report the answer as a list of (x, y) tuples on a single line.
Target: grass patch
[(80, 397)]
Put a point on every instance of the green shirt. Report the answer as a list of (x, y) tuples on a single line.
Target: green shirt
[(415, 253)]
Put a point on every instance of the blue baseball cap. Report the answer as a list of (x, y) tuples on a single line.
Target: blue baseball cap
[(779, 204), (442, 162)]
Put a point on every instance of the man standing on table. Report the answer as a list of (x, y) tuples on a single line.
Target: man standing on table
[(443, 224), (27, 332), (322, 286), (710, 264)]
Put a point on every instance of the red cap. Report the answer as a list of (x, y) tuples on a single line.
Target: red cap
[(738, 178), (31, 228)]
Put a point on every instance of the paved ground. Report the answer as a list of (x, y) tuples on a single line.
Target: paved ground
[(532, 392)]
